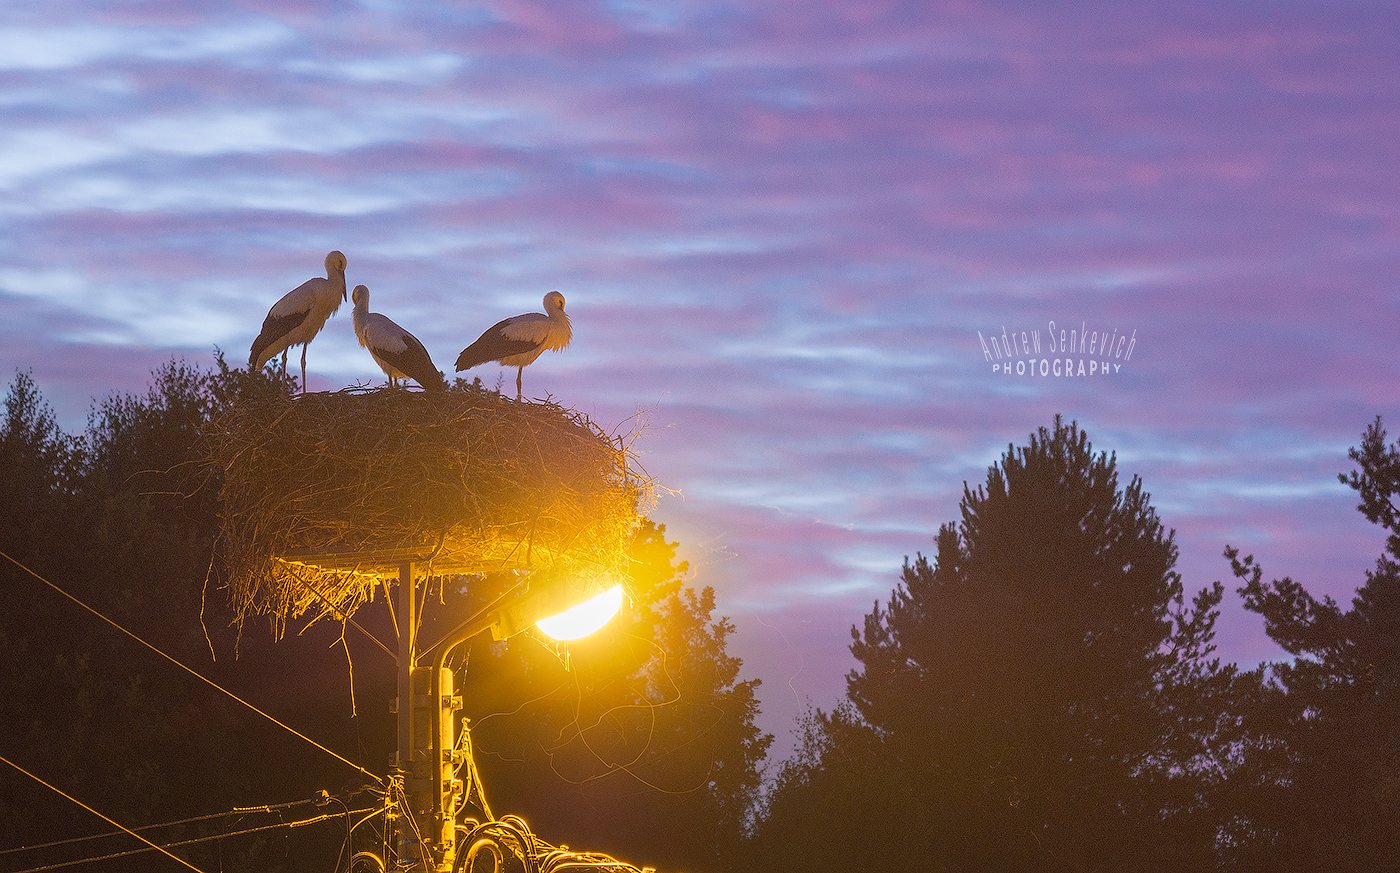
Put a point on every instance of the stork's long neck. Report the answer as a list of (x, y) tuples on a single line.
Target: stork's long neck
[(563, 329), (337, 277), (361, 317)]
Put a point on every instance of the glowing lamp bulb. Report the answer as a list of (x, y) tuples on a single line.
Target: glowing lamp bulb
[(579, 621)]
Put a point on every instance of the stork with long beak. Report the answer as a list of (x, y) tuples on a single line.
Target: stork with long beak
[(397, 352), (299, 316), (519, 340)]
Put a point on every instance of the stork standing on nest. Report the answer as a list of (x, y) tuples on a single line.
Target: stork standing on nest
[(397, 352), (299, 316), (518, 341)]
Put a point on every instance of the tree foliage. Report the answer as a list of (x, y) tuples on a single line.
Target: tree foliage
[(1038, 697), (1324, 774), (111, 516)]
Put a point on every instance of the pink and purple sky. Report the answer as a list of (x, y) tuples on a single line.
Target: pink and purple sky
[(781, 227)]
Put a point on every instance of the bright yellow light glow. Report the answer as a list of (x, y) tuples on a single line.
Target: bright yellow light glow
[(579, 621)]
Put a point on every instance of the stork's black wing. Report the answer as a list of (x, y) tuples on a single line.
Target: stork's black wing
[(492, 346), (415, 362), (274, 330)]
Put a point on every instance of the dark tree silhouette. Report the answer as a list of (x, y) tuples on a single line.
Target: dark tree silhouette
[(1039, 697), (40, 466), (1323, 782), (114, 517)]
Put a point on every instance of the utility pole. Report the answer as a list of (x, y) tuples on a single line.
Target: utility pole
[(407, 849), (424, 763)]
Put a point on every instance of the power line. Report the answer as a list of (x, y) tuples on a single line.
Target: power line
[(109, 821), (194, 840), (200, 676), (238, 810)]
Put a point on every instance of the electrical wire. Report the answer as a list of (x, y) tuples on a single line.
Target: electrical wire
[(238, 810), (472, 781), (511, 836), (348, 845), (320, 799), (200, 676), (406, 814), (109, 821), (195, 840)]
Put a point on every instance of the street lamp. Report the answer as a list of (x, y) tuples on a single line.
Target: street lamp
[(584, 618)]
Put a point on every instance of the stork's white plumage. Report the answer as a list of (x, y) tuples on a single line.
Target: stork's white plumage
[(518, 341), (397, 352), (299, 316)]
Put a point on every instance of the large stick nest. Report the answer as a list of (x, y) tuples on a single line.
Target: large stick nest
[(325, 494)]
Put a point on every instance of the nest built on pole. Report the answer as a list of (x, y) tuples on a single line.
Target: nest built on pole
[(324, 495)]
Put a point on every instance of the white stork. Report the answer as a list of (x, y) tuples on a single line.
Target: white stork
[(518, 341), (299, 316), (397, 352)]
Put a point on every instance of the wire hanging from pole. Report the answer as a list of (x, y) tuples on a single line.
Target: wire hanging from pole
[(109, 821), (236, 811), (75, 862), (195, 673)]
